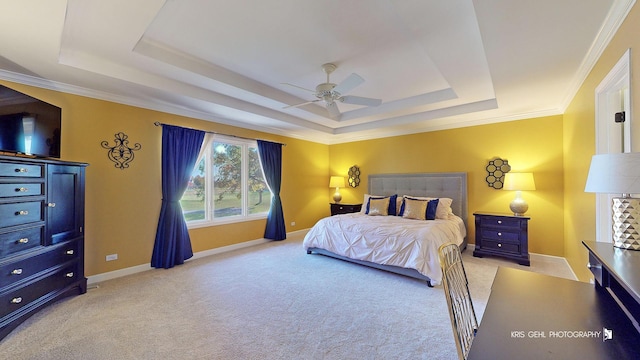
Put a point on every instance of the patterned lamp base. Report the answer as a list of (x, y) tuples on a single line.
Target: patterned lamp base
[(626, 223)]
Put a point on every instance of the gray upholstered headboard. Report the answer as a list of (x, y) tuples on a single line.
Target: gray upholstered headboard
[(450, 185)]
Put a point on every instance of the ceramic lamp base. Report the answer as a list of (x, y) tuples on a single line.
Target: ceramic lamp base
[(626, 223), (518, 206), (337, 197)]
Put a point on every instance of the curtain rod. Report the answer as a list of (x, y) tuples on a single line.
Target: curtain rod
[(217, 133)]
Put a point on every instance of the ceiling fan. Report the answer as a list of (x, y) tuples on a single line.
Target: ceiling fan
[(331, 93)]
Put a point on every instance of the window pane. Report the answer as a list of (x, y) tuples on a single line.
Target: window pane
[(192, 201), (227, 182), (259, 194)]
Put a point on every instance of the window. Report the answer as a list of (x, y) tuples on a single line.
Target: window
[(227, 185)]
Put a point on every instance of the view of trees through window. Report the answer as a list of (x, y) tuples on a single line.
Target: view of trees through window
[(228, 182)]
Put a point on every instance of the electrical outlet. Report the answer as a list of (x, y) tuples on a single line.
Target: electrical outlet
[(293, 223), (112, 257)]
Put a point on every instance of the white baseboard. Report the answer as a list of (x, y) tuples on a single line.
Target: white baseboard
[(541, 257), (94, 279)]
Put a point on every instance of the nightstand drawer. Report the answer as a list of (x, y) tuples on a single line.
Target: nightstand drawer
[(500, 246), (502, 222), (500, 235), (337, 209)]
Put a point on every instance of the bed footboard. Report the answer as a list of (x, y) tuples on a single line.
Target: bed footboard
[(390, 268)]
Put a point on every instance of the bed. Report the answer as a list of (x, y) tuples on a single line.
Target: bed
[(395, 243)]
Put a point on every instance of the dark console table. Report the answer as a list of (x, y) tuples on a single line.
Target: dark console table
[(618, 272), (534, 316)]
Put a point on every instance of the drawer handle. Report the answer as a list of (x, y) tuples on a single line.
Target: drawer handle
[(499, 234), (69, 274), (16, 300), (22, 212), (499, 245), (16, 272), (591, 266), (51, 204), (69, 252), (21, 170), (22, 189), (499, 221), (23, 241)]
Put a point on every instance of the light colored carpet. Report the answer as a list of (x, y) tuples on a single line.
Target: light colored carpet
[(270, 301)]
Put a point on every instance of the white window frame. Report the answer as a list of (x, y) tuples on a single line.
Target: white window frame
[(209, 219)]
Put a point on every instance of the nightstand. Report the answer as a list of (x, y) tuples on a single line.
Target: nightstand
[(502, 235), (337, 209)]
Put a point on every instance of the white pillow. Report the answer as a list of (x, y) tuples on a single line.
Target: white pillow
[(363, 210)]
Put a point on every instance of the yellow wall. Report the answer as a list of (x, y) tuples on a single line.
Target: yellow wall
[(122, 206), (533, 145), (579, 142)]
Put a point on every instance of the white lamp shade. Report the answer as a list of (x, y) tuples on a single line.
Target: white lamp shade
[(617, 173), (336, 181), (519, 181)]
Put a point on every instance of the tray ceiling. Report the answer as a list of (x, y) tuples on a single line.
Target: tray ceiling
[(434, 64)]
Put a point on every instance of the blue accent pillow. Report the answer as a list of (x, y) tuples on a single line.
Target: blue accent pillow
[(392, 203), (431, 209)]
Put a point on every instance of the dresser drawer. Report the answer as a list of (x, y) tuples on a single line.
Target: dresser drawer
[(502, 222), (501, 246), (497, 234), (22, 269), (20, 240), (8, 169), (17, 298), (20, 213), (21, 189)]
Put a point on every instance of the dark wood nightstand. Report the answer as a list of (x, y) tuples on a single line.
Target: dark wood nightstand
[(337, 209), (502, 235)]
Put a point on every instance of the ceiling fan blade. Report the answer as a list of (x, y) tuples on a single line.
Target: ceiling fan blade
[(301, 104), (348, 84), (334, 112), (299, 87), (359, 100)]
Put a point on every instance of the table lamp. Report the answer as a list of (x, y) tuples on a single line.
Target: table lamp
[(619, 173), (337, 182), (518, 182)]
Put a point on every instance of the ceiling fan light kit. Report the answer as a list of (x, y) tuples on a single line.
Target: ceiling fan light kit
[(330, 93)]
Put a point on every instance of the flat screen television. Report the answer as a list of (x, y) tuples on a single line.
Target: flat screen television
[(28, 125)]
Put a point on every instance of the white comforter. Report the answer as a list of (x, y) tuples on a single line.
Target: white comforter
[(387, 240)]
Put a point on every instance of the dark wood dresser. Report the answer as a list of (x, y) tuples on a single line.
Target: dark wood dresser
[(502, 235), (337, 209), (41, 235)]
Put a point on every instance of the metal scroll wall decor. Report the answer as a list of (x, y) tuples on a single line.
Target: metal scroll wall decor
[(354, 176), (121, 154), (496, 168)]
